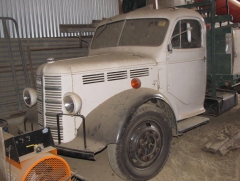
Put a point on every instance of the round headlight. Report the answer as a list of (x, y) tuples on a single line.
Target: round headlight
[(72, 103), (68, 104), (30, 96)]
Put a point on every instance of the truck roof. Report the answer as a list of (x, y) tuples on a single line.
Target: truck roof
[(147, 12)]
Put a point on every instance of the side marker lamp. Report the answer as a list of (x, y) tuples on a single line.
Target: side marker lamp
[(136, 83)]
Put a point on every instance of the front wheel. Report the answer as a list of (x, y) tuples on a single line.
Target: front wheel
[(145, 146)]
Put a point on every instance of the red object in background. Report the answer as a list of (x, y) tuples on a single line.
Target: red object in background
[(234, 8)]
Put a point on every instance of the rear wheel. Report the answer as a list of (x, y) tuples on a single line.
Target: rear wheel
[(145, 146)]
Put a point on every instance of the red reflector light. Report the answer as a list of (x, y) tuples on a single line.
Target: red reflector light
[(136, 83)]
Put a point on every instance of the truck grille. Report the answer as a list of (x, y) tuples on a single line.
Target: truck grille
[(39, 101), (53, 103), (40, 117)]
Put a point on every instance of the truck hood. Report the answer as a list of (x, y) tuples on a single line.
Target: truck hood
[(94, 63)]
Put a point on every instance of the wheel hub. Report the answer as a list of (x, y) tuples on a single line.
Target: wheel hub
[(145, 144)]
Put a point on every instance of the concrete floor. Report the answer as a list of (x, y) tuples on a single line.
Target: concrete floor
[(187, 161)]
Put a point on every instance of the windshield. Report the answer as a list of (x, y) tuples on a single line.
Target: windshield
[(136, 32)]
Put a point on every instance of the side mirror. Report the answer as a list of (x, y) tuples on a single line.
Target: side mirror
[(189, 35), (169, 47)]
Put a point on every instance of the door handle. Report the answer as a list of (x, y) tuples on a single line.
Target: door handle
[(204, 59)]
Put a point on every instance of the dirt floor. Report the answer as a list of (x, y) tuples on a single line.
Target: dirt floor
[(187, 161)]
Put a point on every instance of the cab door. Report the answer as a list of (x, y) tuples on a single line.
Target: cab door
[(186, 64)]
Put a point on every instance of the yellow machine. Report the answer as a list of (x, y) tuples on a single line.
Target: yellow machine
[(32, 157), (43, 167)]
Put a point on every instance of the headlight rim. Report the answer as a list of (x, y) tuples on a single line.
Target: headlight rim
[(64, 103), (32, 96), (77, 102)]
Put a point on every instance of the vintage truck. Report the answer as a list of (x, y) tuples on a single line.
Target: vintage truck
[(148, 75)]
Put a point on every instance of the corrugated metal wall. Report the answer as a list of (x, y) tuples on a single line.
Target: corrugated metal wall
[(41, 18), (35, 51), (38, 23)]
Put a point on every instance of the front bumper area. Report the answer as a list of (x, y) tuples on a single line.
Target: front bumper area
[(75, 148), (87, 155)]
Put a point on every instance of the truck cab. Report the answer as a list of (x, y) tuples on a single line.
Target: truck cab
[(143, 82)]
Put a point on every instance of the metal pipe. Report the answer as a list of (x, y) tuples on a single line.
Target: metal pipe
[(31, 67), (84, 131), (156, 4), (84, 127), (20, 49), (213, 78), (7, 37), (58, 128), (227, 7), (25, 70)]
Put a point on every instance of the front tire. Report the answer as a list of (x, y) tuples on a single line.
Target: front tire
[(145, 146)]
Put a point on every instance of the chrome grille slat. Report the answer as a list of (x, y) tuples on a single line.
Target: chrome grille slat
[(40, 119), (39, 77), (52, 118), (53, 94), (39, 107), (56, 108), (55, 134), (53, 81), (39, 92)]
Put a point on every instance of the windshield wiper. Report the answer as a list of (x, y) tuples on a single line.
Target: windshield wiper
[(105, 26)]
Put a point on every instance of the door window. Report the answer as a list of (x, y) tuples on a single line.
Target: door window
[(184, 38)]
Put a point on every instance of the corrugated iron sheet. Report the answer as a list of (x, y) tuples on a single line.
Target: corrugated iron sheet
[(41, 18), (36, 51)]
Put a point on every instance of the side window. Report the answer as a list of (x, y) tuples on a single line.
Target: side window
[(181, 39)]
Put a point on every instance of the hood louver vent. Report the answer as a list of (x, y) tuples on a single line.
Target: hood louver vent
[(111, 76), (93, 78), (139, 72)]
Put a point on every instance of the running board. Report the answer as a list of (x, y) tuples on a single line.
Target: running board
[(190, 123)]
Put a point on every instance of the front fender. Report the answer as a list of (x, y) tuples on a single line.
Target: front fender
[(107, 123)]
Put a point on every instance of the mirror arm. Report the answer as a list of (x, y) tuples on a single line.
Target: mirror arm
[(189, 29), (170, 44), (170, 47)]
